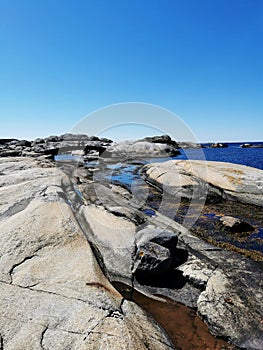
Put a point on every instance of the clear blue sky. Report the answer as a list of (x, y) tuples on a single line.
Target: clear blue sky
[(201, 59)]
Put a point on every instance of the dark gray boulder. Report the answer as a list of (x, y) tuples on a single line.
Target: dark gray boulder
[(152, 260), (235, 225), (24, 143), (10, 153), (7, 141), (159, 236)]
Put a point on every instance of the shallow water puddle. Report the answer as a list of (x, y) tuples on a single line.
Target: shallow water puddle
[(185, 329)]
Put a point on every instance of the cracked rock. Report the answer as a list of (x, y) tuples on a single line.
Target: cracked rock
[(53, 292)]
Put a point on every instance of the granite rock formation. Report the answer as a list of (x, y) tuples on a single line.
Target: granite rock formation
[(227, 180), (69, 240), (53, 292)]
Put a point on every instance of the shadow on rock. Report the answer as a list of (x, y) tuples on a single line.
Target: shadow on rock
[(179, 257), (173, 279)]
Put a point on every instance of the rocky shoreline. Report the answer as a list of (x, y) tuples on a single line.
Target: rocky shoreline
[(93, 146), (76, 251)]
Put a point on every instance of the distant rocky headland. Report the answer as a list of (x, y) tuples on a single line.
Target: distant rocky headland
[(169, 259), (93, 146), (90, 147)]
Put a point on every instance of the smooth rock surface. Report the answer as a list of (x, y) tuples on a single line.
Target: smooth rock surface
[(114, 238), (53, 293), (231, 309), (230, 292), (196, 178)]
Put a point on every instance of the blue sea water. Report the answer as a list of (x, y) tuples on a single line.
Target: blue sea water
[(126, 173), (252, 157), (233, 154)]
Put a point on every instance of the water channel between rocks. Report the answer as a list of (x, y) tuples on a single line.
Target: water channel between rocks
[(186, 330), (182, 324), (207, 225)]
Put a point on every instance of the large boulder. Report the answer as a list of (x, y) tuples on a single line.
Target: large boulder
[(152, 259), (162, 237), (189, 178)]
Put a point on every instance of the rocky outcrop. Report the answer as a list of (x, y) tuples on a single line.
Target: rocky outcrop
[(219, 145), (249, 145), (225, 288), (166, 139), (142, 149), (152, 260), (113, 237), (83, 145), (199, 178), (156, 252), (89, 147), (53, 292)]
